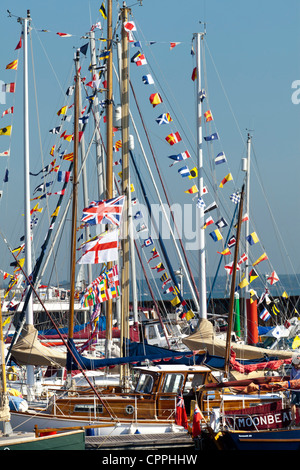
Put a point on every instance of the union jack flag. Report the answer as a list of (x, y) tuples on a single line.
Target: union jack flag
[(104, 212)]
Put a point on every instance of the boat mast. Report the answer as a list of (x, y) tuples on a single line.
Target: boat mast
[(246, 168), (231, 304), (200, 210), (4, 400), (29, 310), (109, 158), (125, 188), (75, 195)]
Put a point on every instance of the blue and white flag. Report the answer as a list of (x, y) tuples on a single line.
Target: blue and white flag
[(184, 171), (220, 158), (211, 137), (147, 79)]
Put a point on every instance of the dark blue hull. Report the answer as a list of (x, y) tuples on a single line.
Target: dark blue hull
[(281, 439)]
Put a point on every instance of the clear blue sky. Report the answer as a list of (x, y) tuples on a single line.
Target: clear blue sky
[(252, 60)]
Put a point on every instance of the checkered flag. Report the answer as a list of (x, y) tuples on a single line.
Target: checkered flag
[(235, 197)]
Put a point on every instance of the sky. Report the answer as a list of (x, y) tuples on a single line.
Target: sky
[(250, 75)]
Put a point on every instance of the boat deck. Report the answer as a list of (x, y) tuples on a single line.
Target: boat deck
[(139, 441)]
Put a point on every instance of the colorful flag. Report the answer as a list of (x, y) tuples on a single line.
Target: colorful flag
[(263, 257), (265, 315), (173, 138), (221, 223), (216, 235), (208, 222), (101, 250), (13, 65), (155, 99), (184, 171), (63, 176), (224, 180), (196, 428), (273, 278), (194, 74), (129, 26), (141, 60), (229, 267), (231, 242), (220, 158), (252, 275), (148, 242), (62, 110), (64, 35), (6, 130), (211, 207), (208, 116), (8, 111), (243, 283), (224, 252), (103, 11), (173, 44), (192, 190), (252, 238), (180, 156), (211, 137), (243, 259), (235, 198), (147, 79), (103, 212), (180, 416), (8, 87), (194, 173), (164, 118)]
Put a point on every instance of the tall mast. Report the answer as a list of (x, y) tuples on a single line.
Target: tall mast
[(200, 210), (246, 168), (125, 184), (75, 195), (29, 311), (109, 157), (231, 303)]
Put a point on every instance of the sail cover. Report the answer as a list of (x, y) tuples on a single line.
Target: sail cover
[(204, 338), (29, 351)]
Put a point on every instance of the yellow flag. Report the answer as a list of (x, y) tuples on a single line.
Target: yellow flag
[(132, 188), (102, 11), (55, 213), (6, 130), (284, 295), (192, 190), (243, 283), (296, 342), (189, 315), (13, 65), (175, 301), (62, 110), (193, 173)]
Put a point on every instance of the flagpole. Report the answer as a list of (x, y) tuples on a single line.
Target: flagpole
[(200, 233)]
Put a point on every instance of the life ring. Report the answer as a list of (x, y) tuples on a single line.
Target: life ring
[(129, 409)]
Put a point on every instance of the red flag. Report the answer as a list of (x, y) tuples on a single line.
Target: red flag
[(196, 429), (181, 417), (19, 45)]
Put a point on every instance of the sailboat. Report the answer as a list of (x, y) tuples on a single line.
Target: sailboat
[(84, 410)]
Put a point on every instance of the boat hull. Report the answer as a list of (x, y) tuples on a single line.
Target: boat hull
[(283, 439), (25, 422), (74, 440)]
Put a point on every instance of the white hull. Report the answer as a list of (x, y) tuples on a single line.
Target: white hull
[(26, 422)]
